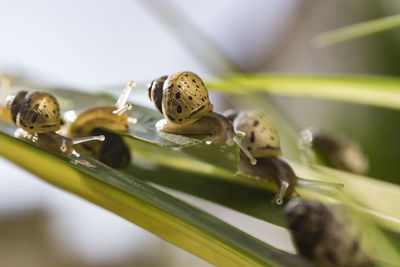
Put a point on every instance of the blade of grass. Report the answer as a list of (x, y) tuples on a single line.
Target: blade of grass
[(197, 158), (362, 89), (174, 159), (211, 170), (158, 212), (377, 203), (253, 197), (356, 31)]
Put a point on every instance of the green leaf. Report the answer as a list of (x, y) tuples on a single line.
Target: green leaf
[(222, 163), (193, 169), (146, 206), (356, 31), (380, 91), (377, 202), (253, 196)]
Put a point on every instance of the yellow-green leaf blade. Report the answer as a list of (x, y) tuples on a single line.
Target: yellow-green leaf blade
[(253, 197), (158, 212), (362, 89), (356, 31), (185, 173)]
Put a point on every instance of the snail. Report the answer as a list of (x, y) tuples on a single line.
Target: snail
[(98, 120), (325, 235), (183, 99), (37, 114), (338, 151), (5, 81), (263, 142)]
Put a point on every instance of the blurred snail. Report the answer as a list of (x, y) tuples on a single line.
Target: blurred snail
[(94, 121), (4, 91), (183, 100), (263, 142), (325, 235), (37, 114), (339, 152)]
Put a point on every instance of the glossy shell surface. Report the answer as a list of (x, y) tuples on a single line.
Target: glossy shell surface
[(185, 98)]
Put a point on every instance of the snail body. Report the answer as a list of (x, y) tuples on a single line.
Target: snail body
[(57, 144), (325, 235), (37, 114), (276, 170), (263, 142), (183, 100), (98, 120)]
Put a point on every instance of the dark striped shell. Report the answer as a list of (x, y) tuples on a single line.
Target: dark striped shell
[(185, 98)]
